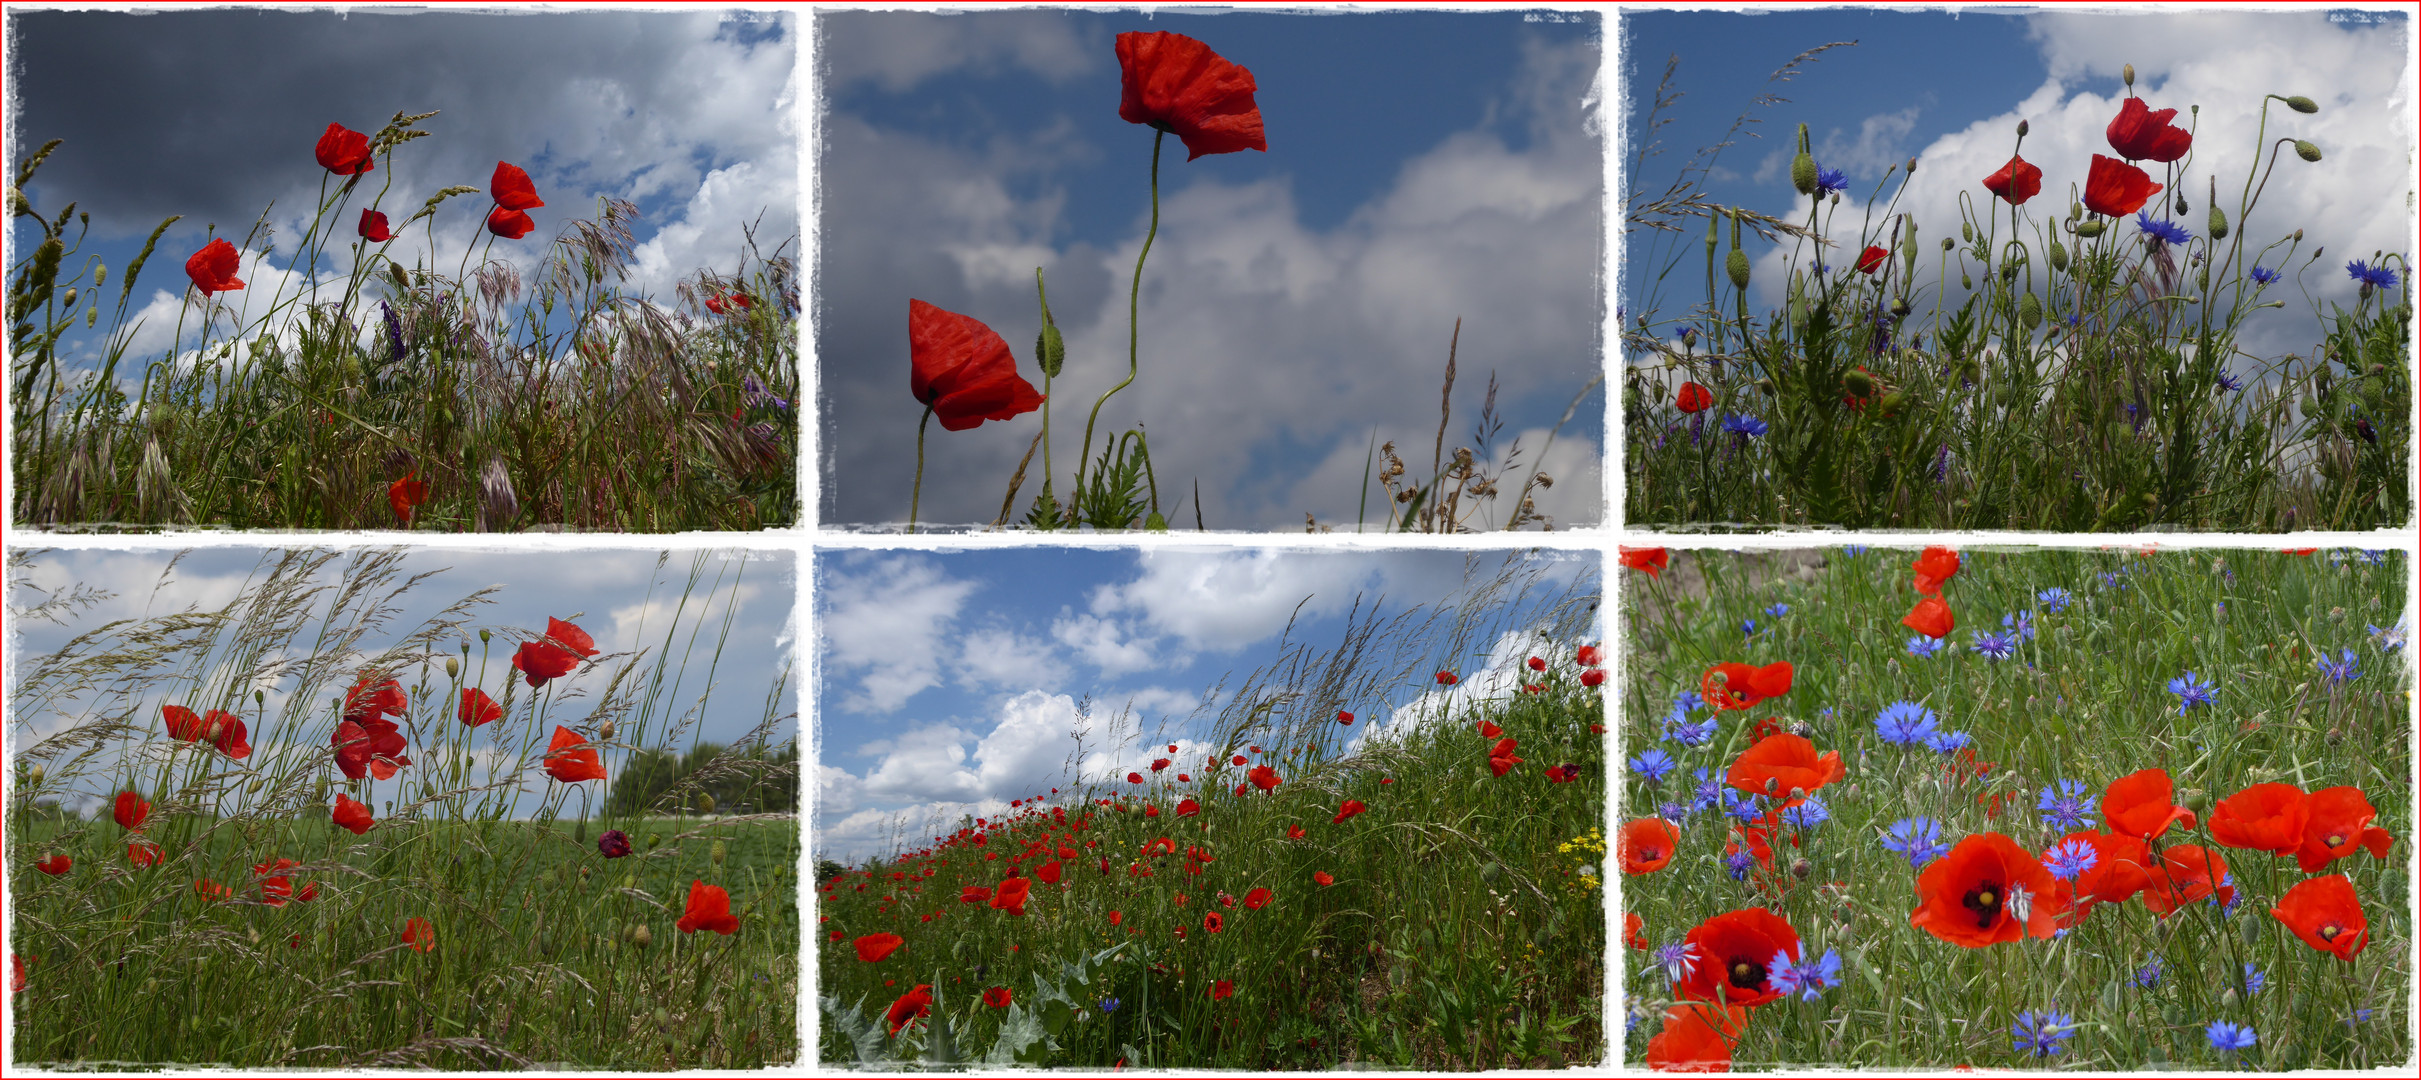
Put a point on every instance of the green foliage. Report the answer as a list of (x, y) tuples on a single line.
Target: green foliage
[(656, 781)]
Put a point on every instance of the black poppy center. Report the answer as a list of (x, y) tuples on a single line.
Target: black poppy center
[(1748, 975), (1650, 854), (1985, 900)]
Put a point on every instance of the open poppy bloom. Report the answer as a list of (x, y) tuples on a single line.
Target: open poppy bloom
[(1651, 560), (1188, 808), (571, 638), (571, 759), (1931, 617), (1345, 718), (1351, 807), (352, 815), (478, 708), (2141, 133), (975, 894), (2340, 821), (2140, 804), (1447, 678), (224, 730), (366, 701), (1222, 990), (734, 303), (874, 947), (2017, 182), (709, 908), (276, 887), (1048, 873), (2117, 874), (1178, 85), (910, 1007), (541, 661), (512, 190), (344, 152), (130, 811), (1632, 925), (1987, 890), (2184, 874), (1323, 877), (1591, 655), (510, 224), (1213, 922), (1872, 259), (1693, 398), (1698, 1036), (1500, 756), (1012, 894), (143, 853), (998, 997), (1564, 773), (1934, 568), (1488, 730), (374, 227), (963, 370), (1264, 777), (2264, 817), (420, 934), (1784, 766), (1258, 899), (1733, 950), (2114, 188), (1741, 686), (1647, 845), (213, 268), (405, 494), (2324, 912), (372, 747), (56, 865)]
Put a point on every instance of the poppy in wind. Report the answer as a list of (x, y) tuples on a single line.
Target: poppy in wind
[(374, 227), (213, 268), (2114, 188), (1178, 85), (962, 370), (571, 759), (709, 908), (2325, 913), (1741, 686), (2017, 182), (2142, 133), (478, 708), (1733, 951), (2339, 822), (344, 151)]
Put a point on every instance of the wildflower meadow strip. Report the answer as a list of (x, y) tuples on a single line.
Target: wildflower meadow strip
[(2101, 810)]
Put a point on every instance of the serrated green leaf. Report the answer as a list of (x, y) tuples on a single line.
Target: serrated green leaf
[(1021, 1039), (864, 1037)]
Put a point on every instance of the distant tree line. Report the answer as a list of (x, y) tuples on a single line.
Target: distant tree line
[(657, 781)]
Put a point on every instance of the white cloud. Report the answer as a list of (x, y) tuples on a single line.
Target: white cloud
[(1107, 644), (922, 764), (886, 619), (897, 52), (1000, 657)]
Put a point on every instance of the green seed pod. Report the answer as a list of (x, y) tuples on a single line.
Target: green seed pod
[(1858, 383), (2091, 229), (92, 317), (1893, 403), (2030, 310), (2303, 104), (2195, 799), (654, 841), (2218, 223), (717, 852), (100, 274), (1803, 173), (1967, 231), (1736, 264), (2059, 257), (1050, 351), (704, 803), (2306, 150)]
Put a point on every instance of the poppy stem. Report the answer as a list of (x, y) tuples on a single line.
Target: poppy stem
[(916, 493), (1133, 294)]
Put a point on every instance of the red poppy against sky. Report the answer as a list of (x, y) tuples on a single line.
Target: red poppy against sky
[(571, 759), (213, 268), (2016, 182), (963, 370), (2114, 188), (2141, 133), (1178, 85), (344, 151)]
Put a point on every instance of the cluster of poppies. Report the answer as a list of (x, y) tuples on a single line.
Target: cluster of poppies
[(2113, 188)]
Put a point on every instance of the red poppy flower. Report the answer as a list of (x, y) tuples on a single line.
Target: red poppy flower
[(1651, 560), (571, 759), (2324, 912), (1351, 807), (56, 865), (1697, 1036), (478, 708), (539, 661), (1345, 718), (276, 887), (1294, 832), (213, 268), (1188, 808), (131, 810), (1693, 398), (1323, 877), (1488, 730), (510, 224), (975, 894), (344, 152), (963, 370), (211, 890), (1784, 766), (2340, 821), (874, 947), (709, 908), (1117, 917), (225, 730), (1740, 686), (2117, 874), (1592, 677), (910, 1006), (352, 815), (570, 638), (998, 997), (374, 227), (1564, 773), (365, 701), (1589, 656), (1771, 725), (1871, 259), (734, 302), (512, 190), (1213, 922), (143, 853), (1935, 567), (2114, 188), (2017, 182), (1500, 756), (1264, 777), (1987, 890), (1258, 899), (2140, 805), (371, 748), (1647, 845), (1931, 617), (405, 494), (2264, 817), (1733, 950), (2184, 874), (1447, 678), (1048, 873), (1012, 894), (1178, 85), (1632, 924), (420, 934), (2139, 133)]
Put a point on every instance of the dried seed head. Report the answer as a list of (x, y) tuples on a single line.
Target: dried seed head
[(1801, 868), (497, 504)]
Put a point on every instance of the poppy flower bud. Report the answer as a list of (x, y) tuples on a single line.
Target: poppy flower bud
[(70, 301), (2030, 310), (1912, 166), (1736, 264), (1967, 231), (2090, 229), (253, 788), (640, 936), (2022, 129), (92, 317), (483, 637), (2301, 104), (654, 840), (1900, 307), (453, 668), (1948, 243), (100, 274), (2306, 150), (717, 853), (1803, 173), (1766, 385), (704, 803), (1858, 383), (2059, 257), (1892, 403), (2127, 74), (2218, 223), (33, 777), (1050, 351), (2299, 239), (1967, 281)]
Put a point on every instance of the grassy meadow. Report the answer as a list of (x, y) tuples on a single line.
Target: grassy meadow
[(315, 861), (2068, 674), (1431, 898)]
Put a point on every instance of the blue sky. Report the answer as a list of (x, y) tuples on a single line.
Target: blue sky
[(1422, 166), (214, 115), (951, 682), (1949, 89), (623, 598)]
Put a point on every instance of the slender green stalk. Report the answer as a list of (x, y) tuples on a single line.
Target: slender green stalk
[(1134, 297)]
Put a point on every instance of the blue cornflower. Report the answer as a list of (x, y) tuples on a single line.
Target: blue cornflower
[(2148, 976), (2372, 558), (1808, 814), (2168, 232), (2380, 276), (2340, 671), (1673, 811), (2388, 638), (1653, 765), (1808, 978), (2067, 806), (1917, 839), (1749, 808), (1747, 426), (1994, 645), (1905, 723), (2053, 599), (2361, 1016), (2230, 383), (2114, 580), (2020, 625), (1689, 701), (1109, 1005), (1689, 732), (1829, 181), (2225, 1036), (1709, 794), (2263, 275), (2070, 860), (2191, 691), (1679, 960), (1923, 647), (1748, 628), (1946, 742), (1737, 864), (2254, 980), (2040, 1033), (1778, 610), (1853, 550)]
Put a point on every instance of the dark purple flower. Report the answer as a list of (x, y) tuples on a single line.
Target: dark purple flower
[(614, 844)]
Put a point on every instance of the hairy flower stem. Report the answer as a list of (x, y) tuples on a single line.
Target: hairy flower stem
[(917, 492), (1133, 295)]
